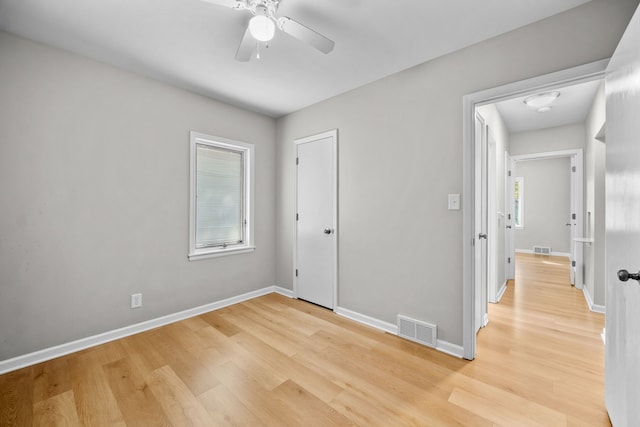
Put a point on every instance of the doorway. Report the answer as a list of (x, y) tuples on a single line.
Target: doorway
[(315, 235), (550, 82)]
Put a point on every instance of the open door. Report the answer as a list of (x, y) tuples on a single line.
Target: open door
[(509, 233), (622, 245), (480, 240)]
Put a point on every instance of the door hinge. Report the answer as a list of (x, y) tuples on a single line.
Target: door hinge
[(508, 260), (573, 216), (509, 173), (573, 168), (508, 216), (573, 263), (297, 217), (296, 272), (297, 161)]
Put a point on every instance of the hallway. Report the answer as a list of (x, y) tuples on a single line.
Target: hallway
[(545, 343)]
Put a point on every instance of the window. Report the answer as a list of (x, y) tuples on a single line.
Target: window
[(518, 197), (220, 215)]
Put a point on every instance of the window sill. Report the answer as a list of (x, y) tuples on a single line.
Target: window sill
[(220, 252)]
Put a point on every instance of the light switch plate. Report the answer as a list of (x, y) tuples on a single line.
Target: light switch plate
[(454, 202)]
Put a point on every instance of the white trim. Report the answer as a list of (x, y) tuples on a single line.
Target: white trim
[(94, 340), (593, 307), (328, 134), (283, 291), (501, 291), (579, 74), (450, 349), (367, 320), (529, 251), (248, 151), (441, 345), (546, 155), (221, 252), (577, 201)]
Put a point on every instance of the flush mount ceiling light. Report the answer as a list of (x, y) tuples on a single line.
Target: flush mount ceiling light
[(541, 99), (261, 27)]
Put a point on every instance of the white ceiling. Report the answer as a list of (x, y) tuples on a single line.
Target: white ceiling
[(191, 43), (572, 106)]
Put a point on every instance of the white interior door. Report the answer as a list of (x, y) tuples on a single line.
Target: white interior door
[(509, 233), (492, 223), (480, 238), (316, 219), (576, 220), (571, 223), (623, 229)]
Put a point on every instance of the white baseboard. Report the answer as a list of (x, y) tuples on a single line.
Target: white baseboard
[(501, 292), (451, 349), (441, 345), (283, 291), (593, 307), (92, 341), (529, 251), (367, 320)]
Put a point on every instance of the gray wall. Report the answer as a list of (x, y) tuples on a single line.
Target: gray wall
[(547, 204), (559, 138), (400, 153), (547, 186), (94, 184), (594, 254)]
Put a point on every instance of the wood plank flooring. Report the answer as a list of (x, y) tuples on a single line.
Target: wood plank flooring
[(273, 361)]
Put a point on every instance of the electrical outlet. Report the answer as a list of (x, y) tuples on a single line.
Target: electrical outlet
[(136, 300)]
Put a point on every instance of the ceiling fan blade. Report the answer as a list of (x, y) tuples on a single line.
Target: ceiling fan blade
[(247, 45), (234, 4), (305, 34)]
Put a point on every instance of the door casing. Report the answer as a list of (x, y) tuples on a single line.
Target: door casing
[(547, 82), (577, 204)]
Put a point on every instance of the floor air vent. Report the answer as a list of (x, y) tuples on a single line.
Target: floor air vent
[(546, 250), (415, 330)]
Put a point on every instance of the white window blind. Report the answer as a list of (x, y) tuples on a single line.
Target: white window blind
[(220, 219), (220, 197)]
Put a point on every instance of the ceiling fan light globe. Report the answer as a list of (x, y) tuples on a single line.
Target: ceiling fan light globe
[(262, 28)]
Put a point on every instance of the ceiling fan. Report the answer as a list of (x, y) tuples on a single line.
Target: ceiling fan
[(262, 26)]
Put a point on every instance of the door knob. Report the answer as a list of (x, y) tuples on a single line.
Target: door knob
[(509, 227), (327, 231), (482, 236), (624, 275)]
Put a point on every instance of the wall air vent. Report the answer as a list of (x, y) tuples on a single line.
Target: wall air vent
[(545, 250), (415, 330)]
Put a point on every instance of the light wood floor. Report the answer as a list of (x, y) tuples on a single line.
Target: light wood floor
[(274, 361)]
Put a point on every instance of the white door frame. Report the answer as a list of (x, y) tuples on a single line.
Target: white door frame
[(577, 203), (580, 74), (333, 134)]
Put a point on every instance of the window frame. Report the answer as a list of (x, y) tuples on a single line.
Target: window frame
[(519, 182), (248, 151)]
